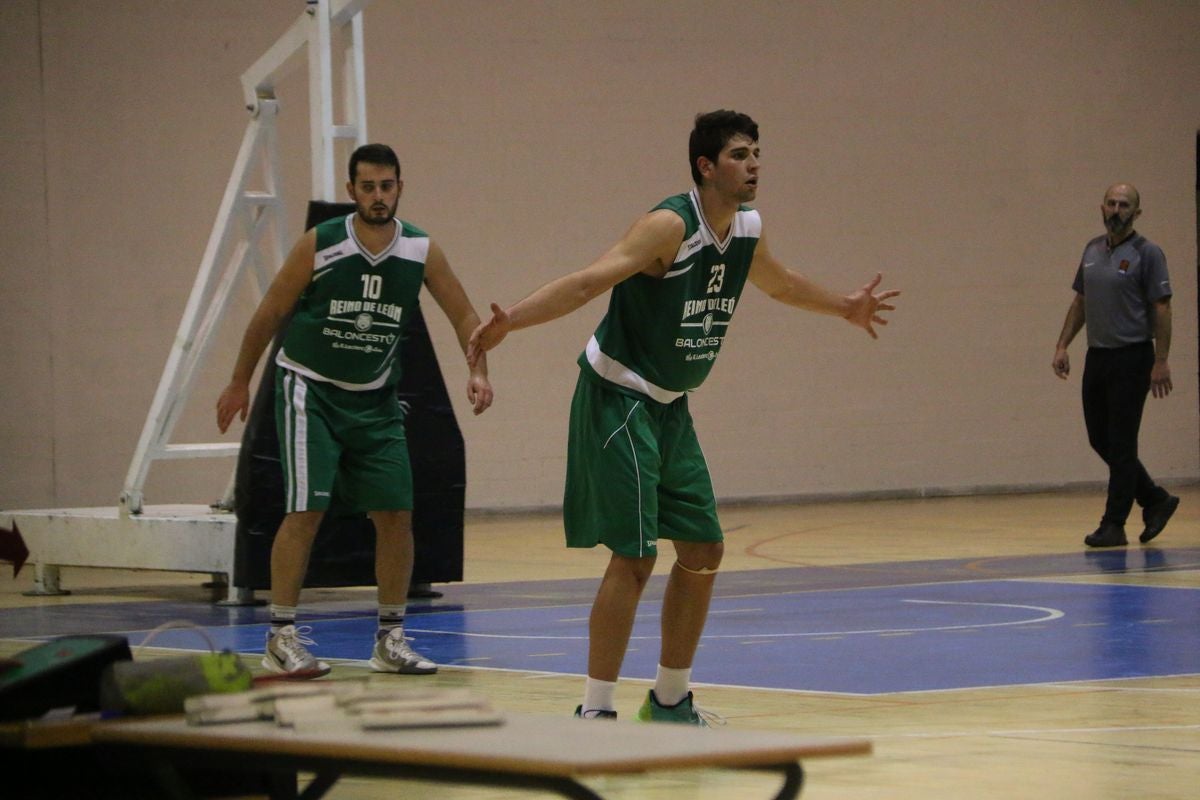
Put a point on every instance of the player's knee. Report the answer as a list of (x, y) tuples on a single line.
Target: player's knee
[(697, 570), (700, 558), (391, 523), (300, 525), (639, 569)]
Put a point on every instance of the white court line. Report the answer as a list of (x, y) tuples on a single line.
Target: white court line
[(1083, 685), (1054, 580), (1047, 614), (1034, 731), (1152, 689), (652, 615)]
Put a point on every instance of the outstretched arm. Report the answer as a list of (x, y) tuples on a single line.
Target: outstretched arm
[(276, 304), (649, 246), (1076, 315), (861, 308), (446, 289)]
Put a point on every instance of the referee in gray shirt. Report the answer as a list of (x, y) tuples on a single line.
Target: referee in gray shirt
[(1123, 294)]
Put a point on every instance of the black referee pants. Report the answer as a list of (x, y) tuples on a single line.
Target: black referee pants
[(1115, 384)]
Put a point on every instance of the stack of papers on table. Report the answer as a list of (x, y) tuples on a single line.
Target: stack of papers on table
[(360, 704)]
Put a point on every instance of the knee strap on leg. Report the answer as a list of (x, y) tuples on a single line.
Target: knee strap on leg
[(701, 571)]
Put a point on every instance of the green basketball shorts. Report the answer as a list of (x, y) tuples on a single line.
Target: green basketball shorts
[(635, 473), (330, 436)]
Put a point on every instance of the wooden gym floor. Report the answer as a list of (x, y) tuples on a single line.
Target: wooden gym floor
[(1135, 736)]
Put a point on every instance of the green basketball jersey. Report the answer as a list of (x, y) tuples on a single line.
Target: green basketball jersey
[(660, 336), (348, 322)]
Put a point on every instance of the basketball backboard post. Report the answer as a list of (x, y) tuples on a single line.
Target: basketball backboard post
[(248, 229)]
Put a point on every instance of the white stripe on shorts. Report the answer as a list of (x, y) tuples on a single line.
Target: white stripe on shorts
[(296, 444), (637, 472)]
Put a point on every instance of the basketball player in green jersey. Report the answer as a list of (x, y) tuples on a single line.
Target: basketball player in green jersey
[(351, 283), (635, 471)]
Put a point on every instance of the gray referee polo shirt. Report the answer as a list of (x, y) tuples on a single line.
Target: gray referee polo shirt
[(1120, 287)]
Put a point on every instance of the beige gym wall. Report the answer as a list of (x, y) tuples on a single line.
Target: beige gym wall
[(960, 148)]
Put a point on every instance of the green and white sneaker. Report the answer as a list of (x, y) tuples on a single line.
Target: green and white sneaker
[(594, 713), (682, 713), (393, 654)]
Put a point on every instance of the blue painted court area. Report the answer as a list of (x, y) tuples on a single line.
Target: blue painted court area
[(859, 641), (866, 629)]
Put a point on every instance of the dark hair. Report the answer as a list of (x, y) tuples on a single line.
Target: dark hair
[(713, 131), (374, 154)]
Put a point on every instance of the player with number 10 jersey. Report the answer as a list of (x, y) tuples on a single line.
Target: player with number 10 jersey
[(347, 325)]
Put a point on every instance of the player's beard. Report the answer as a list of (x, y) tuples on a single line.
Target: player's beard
[(377, 214)]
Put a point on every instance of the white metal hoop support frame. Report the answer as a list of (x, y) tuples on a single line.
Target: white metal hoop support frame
[(249, 224)]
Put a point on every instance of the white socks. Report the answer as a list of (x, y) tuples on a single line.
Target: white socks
[(598, 695), (282, 616), (390, 618), (671, 685)]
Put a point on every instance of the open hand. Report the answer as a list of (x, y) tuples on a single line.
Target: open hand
[(865, 306), (488, 334)]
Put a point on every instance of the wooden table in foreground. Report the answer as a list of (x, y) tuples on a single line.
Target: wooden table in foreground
[(535, 752)]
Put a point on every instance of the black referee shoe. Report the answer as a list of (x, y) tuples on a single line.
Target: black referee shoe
[(1109, 534), (1156, 517)]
